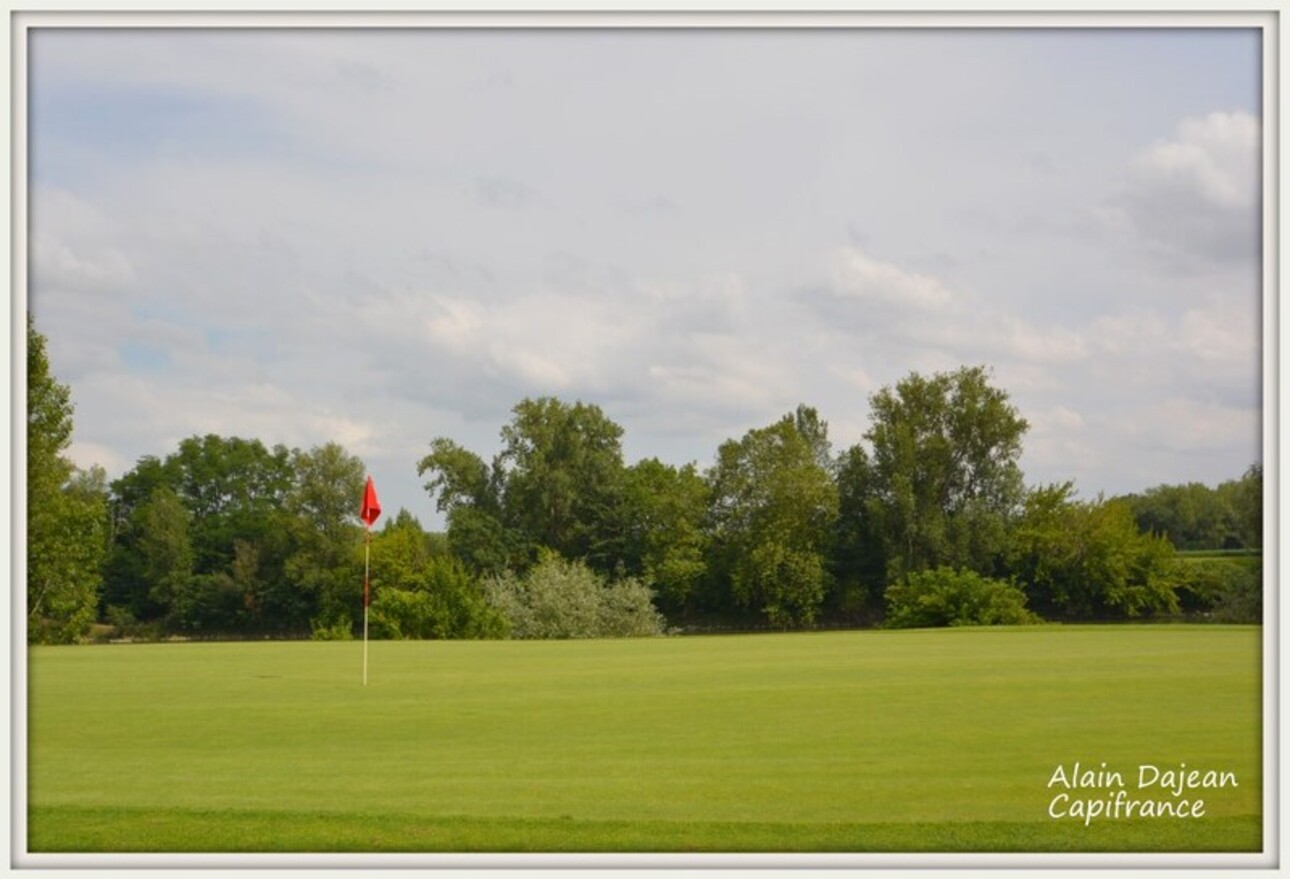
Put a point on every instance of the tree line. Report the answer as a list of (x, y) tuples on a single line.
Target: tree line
[(1195, 516), (928, 521)]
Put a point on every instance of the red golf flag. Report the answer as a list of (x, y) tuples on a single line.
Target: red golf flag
[(371, 506)]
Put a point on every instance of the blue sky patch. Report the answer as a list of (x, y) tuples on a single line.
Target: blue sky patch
[(75, 125), (144, 357)]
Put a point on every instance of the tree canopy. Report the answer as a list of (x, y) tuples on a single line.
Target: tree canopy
[(66, 511), (926, 521), (774, 503), (946, 478)]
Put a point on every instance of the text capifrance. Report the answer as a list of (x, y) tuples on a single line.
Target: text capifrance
[(1149, 790)]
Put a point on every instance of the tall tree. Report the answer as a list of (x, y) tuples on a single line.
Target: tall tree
[(774, 505), (269, 533), (165, 547), (470, 493), (858, 559), (564, 477), (325, 482), (945, 469), (66, 516), (49, 421), (661, 522), (234, 488), (1248, 504), (323, 501), (557, 484), (125, 581)]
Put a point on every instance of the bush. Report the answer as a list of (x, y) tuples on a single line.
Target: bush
[(627, 610), (950, 597), (790, 583), (441, 600), (1220, 589), (340, 628), (1087, 560), (1241, 603), (206, 603), (563, 599), (124, 625)]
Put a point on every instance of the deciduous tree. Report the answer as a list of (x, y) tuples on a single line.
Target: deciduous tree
[(662, 526), (945, 471), (557, 484), (233, 487), (470, 493), (564, 478), (66, 511), (323, 501), (420, 593), (165, 546), (774, 504)]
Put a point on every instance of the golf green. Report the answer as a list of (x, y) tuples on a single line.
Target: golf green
[(960, 740)]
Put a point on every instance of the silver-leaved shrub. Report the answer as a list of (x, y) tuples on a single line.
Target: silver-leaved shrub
[(566, 599)]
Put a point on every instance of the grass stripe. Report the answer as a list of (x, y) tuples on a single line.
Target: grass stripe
[(73, 829)]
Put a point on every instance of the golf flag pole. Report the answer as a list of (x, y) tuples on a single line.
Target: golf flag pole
[(369, 513)]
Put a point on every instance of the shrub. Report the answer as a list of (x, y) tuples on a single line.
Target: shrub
[(950, 597), (206, 603), (123, 624), (1224, 590), (1241, 601), (439, 600), (1087, 559), (340, 628), (790, 582), (627, 610), (563, 599)]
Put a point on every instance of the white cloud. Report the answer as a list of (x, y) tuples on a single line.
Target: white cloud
[(255, 410), (459, 324), (1183, 424), (102, 269), (926, 319), (1197, 196), (857, 377), (721, 372), (324, 257), (1059, 418), (1211, 351), (74, 248), (857, 275), (1129, 332), (1060, 446), (1019, 339), (86, 455), (1214, 156), (1220, 336)]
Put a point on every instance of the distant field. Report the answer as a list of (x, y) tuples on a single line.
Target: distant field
[(1251, 559), (910, 741)]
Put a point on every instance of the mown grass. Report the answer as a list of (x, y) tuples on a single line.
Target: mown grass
[(831, 742), (98, 830)]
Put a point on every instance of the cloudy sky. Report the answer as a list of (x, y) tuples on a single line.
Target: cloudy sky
[(378, 237)]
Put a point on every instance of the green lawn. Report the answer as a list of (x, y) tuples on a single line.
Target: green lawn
[(833, 742)]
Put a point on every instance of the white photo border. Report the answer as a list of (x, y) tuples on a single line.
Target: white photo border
[(23, 17)]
